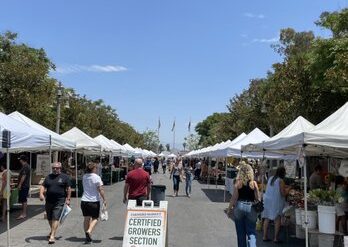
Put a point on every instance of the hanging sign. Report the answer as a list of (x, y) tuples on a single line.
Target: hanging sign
[(43, 165), (145, 226)]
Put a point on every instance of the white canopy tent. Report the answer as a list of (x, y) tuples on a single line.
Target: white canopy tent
[(23, 137), (296, 128), (219, 150), (329, 138), (106, 144), (84, 143), (129, 149), (57, 141), (18, 137), (172, 156), (234, 150), (123, 151)]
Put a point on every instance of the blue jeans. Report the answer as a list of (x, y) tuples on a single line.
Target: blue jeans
[(245, 220), (176, 181), (188, 183)]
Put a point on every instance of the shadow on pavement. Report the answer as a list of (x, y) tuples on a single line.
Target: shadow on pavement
[(36, 238), (33, 210), (217, 195), (117, 238)]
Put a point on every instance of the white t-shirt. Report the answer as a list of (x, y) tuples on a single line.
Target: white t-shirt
[(91, 182)]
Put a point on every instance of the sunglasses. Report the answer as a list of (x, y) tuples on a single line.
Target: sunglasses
[(56, 168)]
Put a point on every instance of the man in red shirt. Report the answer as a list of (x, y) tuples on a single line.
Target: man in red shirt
[(137, 185)]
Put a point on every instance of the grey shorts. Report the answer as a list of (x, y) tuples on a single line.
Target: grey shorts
[(54, 210)]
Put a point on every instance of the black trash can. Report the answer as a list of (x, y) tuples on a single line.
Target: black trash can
[(158, 193)]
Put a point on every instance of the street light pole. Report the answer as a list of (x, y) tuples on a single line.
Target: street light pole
[(59, 101)]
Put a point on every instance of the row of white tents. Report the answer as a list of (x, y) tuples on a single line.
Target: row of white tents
[(299, 139), (21, 134), (30, 136)]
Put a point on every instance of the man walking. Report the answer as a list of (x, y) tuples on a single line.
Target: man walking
[(137, 186), (57, 190), (23, 186)]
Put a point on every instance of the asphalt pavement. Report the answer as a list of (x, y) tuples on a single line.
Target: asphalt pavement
[(198, 221)]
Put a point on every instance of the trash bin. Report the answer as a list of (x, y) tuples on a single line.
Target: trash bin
[(158, 193)]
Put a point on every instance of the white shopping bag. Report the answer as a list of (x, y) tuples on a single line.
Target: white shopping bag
[(104, 216), (66, 210)]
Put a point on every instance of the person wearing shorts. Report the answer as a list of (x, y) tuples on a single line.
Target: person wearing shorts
[(90, 201), (56, 189)]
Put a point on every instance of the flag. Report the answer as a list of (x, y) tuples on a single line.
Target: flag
[(189, 126), (173, 126), (159, 123)]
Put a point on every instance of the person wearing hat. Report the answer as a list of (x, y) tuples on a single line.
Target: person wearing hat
[(23, 186)]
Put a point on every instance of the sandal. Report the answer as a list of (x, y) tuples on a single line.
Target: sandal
[(21, 217), (51, 241), (266, 240)]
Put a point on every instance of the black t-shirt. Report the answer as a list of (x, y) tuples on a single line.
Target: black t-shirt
[(56, 186), (25, 171)]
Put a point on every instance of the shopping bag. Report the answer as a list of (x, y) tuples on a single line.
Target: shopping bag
[(104, 216), (66, 210)]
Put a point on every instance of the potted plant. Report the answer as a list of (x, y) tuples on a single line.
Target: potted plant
[(326, 200)]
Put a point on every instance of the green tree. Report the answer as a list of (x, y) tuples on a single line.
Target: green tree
[(192, 142), (151, 140)]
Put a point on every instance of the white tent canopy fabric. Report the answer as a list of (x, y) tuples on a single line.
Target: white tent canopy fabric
[(129, 149), (84, 142), (298, 126), (107, 145), (23, 137), (328, 138), (219, 151), (57, 141), (234, 150), (123, 151)]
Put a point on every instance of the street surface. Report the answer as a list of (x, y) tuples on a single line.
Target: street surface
[(198, 221)]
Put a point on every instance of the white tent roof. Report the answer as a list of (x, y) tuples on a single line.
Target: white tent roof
[(23, 137), (122, 149), (298, 126), (57, 142), (106, 144), (328, 138), (129, 149), (83, 141), (172, 156), (235, 149), (220, 150)]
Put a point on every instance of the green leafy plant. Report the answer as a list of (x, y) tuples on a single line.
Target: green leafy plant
[(323, 197)]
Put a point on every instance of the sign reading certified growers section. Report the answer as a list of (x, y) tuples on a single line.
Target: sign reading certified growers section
[(145, 227)]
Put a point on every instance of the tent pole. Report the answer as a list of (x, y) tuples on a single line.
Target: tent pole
[(30, 174), (8, 178), (225, 179), (110, 162), (208, 161), (77, 181), (305, 195)]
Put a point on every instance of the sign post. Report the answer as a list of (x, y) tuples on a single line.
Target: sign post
[(146, 226)]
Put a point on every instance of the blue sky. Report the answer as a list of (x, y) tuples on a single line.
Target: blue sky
[(159, 58)]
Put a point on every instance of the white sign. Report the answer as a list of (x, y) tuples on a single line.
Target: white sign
[(343, 171), (145, 226), (43, 165)]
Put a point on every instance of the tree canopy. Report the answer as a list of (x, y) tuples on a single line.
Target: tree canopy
[(27, 87), (310, 81)]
